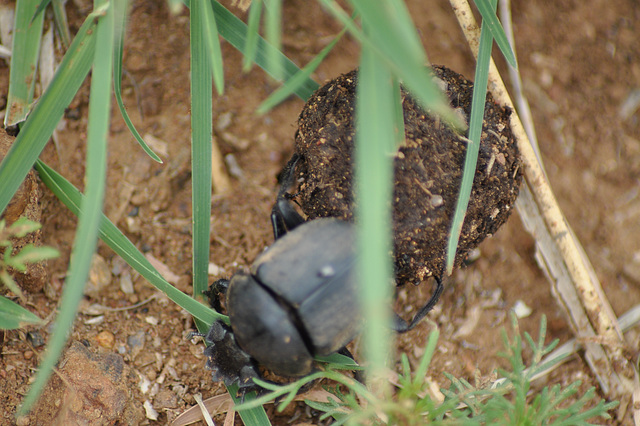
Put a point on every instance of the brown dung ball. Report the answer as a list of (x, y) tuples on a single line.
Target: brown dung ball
[(428, 171)]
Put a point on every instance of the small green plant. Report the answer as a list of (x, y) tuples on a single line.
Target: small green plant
[(507, 401), (512, 401), (12, 315)]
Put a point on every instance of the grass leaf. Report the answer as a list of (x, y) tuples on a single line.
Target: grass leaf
[(37, 130), (475, 132), (24, 62), (251, 43), (86, 237), (120, 9), (201, 133), (14, 316), (273, 18), (212, 42), (235, 32), (488, 12), (295, 82), (375, 146)]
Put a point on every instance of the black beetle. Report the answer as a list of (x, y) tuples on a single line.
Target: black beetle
[(299, 300)]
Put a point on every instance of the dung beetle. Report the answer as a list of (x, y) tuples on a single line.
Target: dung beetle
[(299, 300)]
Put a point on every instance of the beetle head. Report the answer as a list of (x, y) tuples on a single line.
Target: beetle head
[(267, 328)]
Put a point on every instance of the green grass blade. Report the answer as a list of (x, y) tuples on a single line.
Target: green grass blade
[(235, 32), (41, 7), (86, 237), (273, 19), (212, 41), (425, 361), (475, 131), (121, 9), (251, 43), (201, 132), (26, 47), (14, 316), (375, 145), (394, 39), (38, 128), (120, 244), (62, 24), (298, 79), (488, 13)]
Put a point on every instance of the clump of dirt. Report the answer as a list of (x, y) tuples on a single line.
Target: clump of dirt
[(428, 171)]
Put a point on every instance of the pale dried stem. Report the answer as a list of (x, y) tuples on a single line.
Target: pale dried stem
[(219, 176), (608, 362)]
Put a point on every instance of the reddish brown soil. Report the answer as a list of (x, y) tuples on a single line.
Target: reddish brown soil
[(579, 61)]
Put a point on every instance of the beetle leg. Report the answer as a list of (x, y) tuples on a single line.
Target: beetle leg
[(284, 216), (217, 289), (227, 361), (401, 326)]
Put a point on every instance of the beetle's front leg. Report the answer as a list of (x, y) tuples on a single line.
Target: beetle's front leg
[(284, 217), (216, 292), (227, 361)]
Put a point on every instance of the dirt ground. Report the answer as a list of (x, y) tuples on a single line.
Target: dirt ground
[(580, 62)]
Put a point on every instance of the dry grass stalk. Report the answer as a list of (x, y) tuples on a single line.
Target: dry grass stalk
[(587, 307)]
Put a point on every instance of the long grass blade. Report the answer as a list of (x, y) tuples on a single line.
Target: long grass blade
[(488, 12), (235, 32), (394, 39), (201, 132), (13, 316), (375, 145), (62, 24), (38, 128), (253, 26), (121, 9), (26, 47), (298, 79), (212, 41), (475, 131), (273, 19), (86, 237)]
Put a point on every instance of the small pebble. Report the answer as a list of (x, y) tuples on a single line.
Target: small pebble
[(521, 309), (214, 269), (99, 276), (105, 339), (166, 399), (152, 375), (151, 320), (149, 411), (136, 343), (27, 355), (35, 338), (126, 284)]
